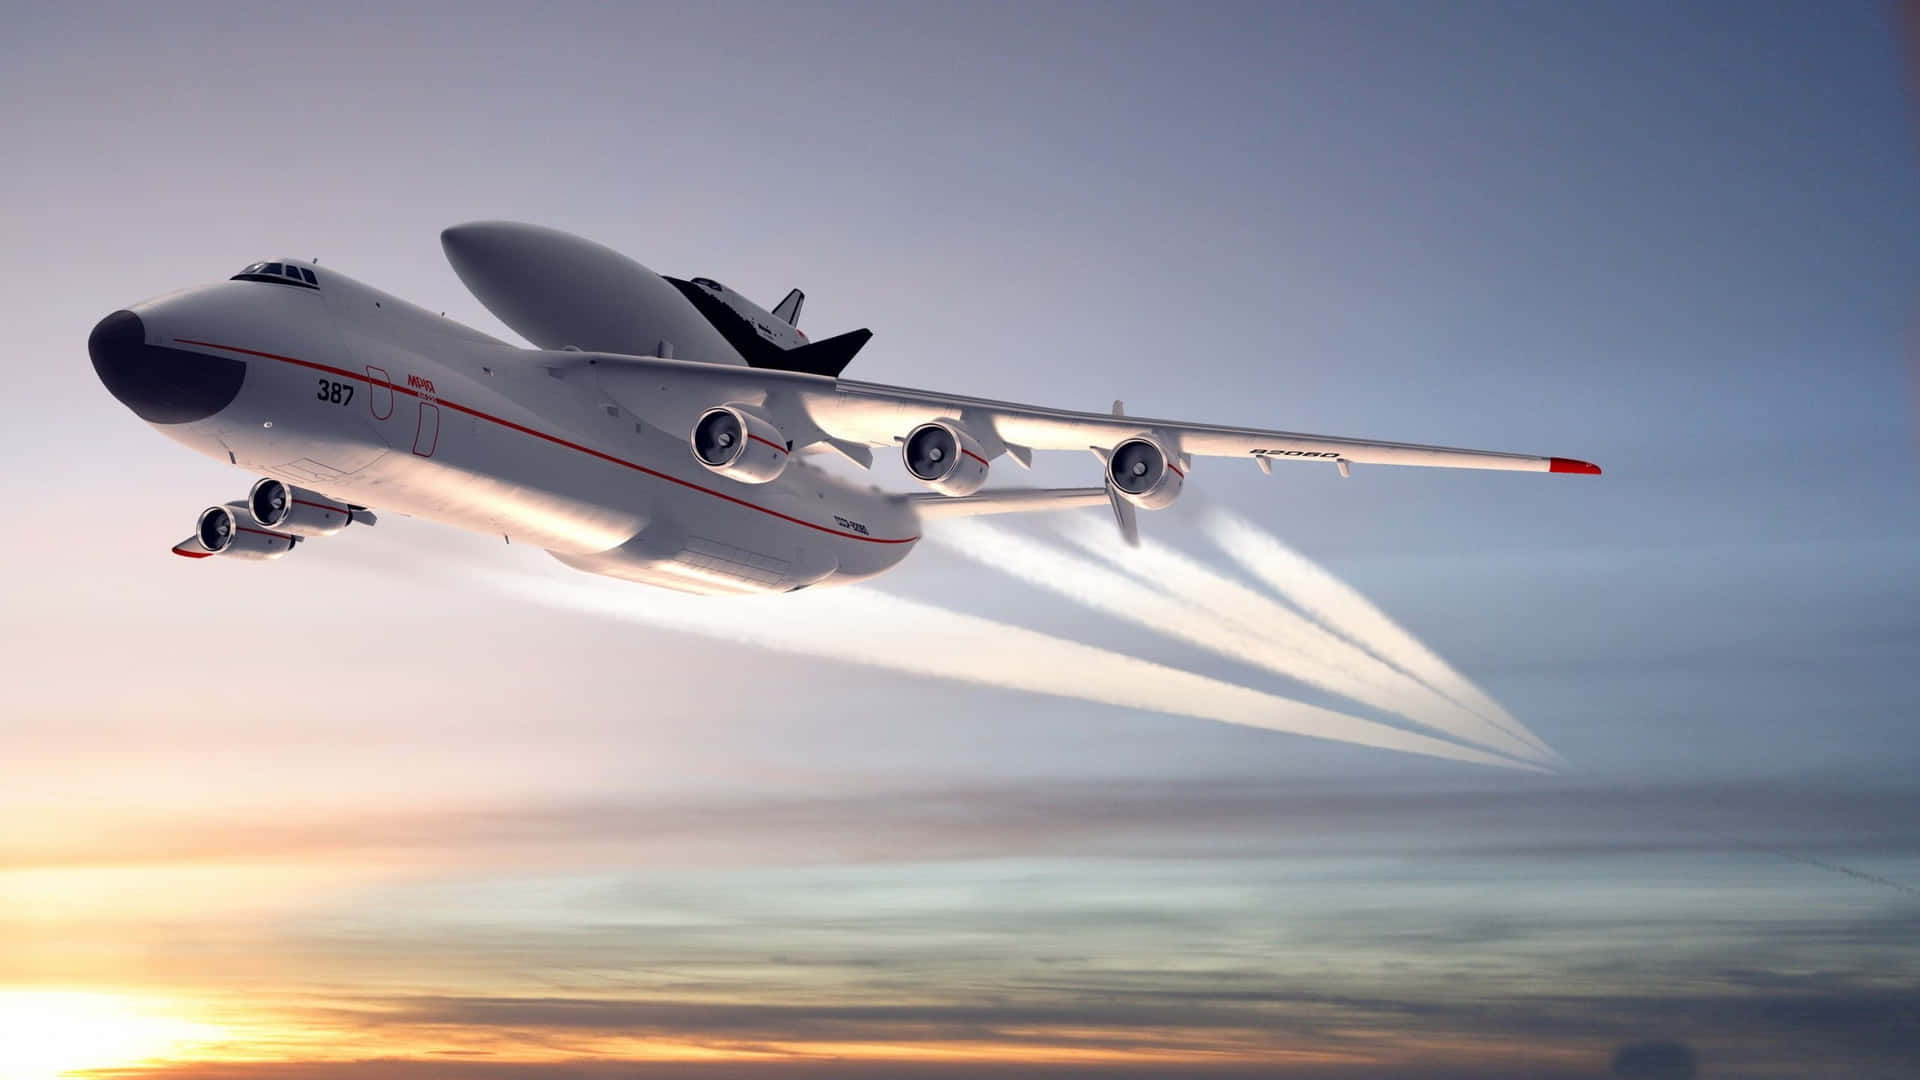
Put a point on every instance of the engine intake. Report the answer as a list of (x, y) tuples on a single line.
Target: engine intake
[(285, 508), (736, 441), (219, 531), (941, 455), (1144, 474)]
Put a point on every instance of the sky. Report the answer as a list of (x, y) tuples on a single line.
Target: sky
[(359, 813)]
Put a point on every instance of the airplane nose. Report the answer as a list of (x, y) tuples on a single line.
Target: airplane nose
[(161, 385)]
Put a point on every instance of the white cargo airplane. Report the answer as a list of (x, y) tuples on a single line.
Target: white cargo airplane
[(655, 433)]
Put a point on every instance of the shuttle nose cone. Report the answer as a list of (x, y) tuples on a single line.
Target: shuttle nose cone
[(161, 385)]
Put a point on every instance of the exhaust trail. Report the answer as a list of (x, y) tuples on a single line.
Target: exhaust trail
[(1344, 611), (1116, 594), (859, 626), (1296, 638)]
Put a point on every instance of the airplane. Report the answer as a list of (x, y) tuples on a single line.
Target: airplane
[(660, 431)]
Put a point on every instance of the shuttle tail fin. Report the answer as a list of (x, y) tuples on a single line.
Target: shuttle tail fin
[(788, 310)]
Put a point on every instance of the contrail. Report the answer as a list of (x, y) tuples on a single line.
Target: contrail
[(1821, 864), (860, 626), (1345, 668), (1182, 617), (1346, 612)]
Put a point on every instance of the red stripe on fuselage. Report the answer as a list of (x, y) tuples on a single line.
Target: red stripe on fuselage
[(554, 439)]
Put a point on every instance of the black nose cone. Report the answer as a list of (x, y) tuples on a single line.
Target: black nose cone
[(161, 385)]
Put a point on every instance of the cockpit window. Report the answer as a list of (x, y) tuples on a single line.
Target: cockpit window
[(279, 274)]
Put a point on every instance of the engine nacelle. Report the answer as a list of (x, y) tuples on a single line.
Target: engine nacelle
[(1144, 474), (284, 508), (221, 531), (941, 455), (736, 441)]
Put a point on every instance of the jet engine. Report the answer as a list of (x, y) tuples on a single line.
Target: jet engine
[(219, 531), (941, 455), (736, 441), (288, 509), (1144, 474)]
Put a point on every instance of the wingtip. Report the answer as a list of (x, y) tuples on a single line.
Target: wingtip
[(1572, 465)]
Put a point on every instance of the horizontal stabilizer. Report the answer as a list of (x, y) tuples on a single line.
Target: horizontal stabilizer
[(1004, 501), (829, 357)]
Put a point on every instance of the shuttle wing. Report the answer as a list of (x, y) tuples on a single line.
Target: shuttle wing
[(839, 413)]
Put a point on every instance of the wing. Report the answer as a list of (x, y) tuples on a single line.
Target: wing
[(850, 416)]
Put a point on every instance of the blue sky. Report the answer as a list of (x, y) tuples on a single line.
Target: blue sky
[(1676, 240)]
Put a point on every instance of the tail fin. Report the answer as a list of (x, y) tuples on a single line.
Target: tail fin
[(789, 309)]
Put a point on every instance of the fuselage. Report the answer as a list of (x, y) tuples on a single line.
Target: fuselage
[(310, 377)]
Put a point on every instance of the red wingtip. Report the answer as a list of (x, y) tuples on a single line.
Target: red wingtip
[(1567, 464)]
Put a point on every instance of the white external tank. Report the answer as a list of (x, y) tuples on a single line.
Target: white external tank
[(558, 290)]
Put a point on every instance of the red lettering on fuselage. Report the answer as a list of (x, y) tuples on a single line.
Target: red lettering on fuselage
[(419, 383)]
